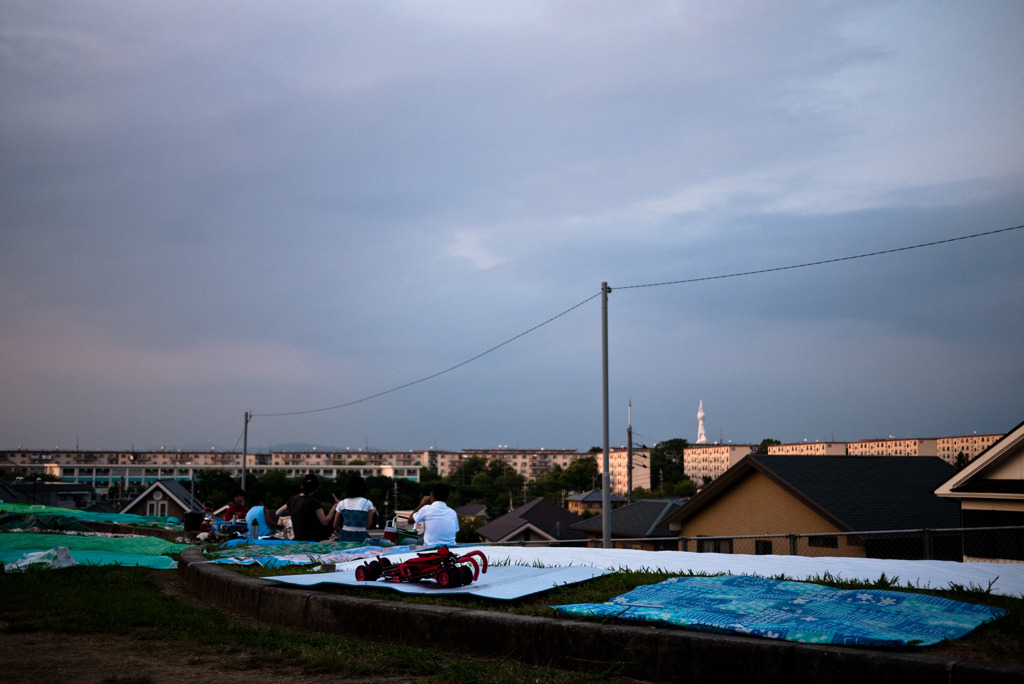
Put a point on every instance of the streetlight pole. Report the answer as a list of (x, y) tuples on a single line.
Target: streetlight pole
[(606, 509)]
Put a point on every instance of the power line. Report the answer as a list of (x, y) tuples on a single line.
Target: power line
[(824, 261), (433, 375), (629, 287)]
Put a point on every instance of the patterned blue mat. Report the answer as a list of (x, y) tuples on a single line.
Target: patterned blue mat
[(794, 611)]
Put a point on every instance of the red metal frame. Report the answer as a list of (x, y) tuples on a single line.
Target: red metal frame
[(447, 568)]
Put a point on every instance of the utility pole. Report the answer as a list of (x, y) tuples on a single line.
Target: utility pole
[(606, 509), (629, 454), (245, 445)]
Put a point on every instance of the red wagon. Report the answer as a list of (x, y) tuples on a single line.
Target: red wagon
[(447, 568)]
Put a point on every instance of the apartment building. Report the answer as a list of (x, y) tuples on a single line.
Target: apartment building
[(894, 447), (711, 460), (103, 469), (106, 469), (618, 468), (809, 449), (968, 445)]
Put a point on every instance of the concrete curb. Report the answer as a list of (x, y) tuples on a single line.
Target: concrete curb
[(646, 653)]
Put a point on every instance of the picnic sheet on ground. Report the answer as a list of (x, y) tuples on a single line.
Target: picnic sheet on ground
[(87, 549), (275, 553), (501, 583), (794, 611), (504, 583)]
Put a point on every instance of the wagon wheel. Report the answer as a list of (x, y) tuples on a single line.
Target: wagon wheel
[(467, 574), (384, 562), (446, 578), (373, 570), (361, 573)]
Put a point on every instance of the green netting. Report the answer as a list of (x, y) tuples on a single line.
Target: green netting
[(11, 522), (120, 518), (147, 546), (87, 557), (152, 552)]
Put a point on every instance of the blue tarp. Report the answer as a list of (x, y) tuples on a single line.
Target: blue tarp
[(794, 611)]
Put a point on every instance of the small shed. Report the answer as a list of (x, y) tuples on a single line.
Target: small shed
[(164, 498)]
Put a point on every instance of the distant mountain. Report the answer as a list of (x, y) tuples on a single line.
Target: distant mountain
[(302, 446)]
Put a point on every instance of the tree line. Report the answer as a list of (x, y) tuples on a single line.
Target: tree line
[(495, 484)]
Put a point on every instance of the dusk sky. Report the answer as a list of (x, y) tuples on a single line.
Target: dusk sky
[(209, 208)]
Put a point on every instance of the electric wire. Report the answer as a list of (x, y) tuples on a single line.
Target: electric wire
[(433, 375), (629, 287), (824, 261), (240, 435)]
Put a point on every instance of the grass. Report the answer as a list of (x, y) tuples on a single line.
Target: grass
[(127, 601), (114, 600), (1001, 640)]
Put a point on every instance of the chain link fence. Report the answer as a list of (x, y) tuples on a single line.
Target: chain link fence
[(960, 544)]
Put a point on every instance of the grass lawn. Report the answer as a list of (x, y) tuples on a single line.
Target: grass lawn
[(121, 610)]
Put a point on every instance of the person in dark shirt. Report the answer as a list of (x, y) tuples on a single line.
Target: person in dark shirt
[(237, 509), (309, 522)]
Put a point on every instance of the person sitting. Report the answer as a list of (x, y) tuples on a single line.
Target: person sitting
[(440, 523), (354, 513), (309, 522), (237, 508), (260, 520)]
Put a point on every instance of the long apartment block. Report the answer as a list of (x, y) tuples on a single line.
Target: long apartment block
[(103, 469)]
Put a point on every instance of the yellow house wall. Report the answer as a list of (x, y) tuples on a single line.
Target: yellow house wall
[(756, 505)]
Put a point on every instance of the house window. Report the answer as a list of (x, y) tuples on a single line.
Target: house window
[(156, 508), (763, 547), (714, 545), (825, 542)]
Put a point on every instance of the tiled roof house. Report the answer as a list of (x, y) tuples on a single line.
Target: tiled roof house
[(538, 520), (639, 523), (799, 495)]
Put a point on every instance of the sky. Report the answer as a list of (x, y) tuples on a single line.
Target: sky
[(385, 225)]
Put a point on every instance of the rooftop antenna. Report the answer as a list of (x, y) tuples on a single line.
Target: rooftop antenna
[(629, 454), (701, 437)]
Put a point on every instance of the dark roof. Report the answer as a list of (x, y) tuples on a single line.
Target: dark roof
[(471, 510), (638, 519), (595, 496), (58, 487), (856, 493), (174, 489), (8, 494), (548, 517)]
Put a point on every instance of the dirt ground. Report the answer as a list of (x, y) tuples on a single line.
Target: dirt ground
[(95, 659), (105, 659)]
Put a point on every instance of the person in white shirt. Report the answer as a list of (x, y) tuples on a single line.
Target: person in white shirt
[(440, 523)]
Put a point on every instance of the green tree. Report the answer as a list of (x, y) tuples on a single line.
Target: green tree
[(762, 448), (667, 462), (581, 474), (275, 486), (961, 461), (216, 486)]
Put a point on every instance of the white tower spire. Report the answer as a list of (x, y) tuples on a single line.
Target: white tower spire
[(701, 437)]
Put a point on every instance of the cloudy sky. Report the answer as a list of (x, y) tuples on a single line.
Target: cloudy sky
[(214, 208)]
